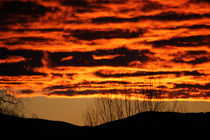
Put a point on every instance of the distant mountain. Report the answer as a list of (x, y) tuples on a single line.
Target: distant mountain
[(146, 125), (163, 125), (36, 128)]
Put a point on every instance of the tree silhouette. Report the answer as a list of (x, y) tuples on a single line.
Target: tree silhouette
[(9, 104), (110, 107)]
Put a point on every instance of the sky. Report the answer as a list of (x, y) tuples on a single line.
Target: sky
[(76, 50)]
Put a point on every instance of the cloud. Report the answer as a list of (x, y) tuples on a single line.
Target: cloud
[(32, 60), (195, 61), (83, 6), (75, 3), (123, 57), (193, 73), (149, 93), (173, 16), (185, 90), (192, 57), (163, 16), (193, 86), (189, 27), (199, 26), (26, 91), (31, 55), (18, 69), (87, 92), (87, 4), (190, 41), (10, 83), (59, 87), (198, 1), (26, 40), (104, 34), (197, 52), (22, 30), (151, 5), (87, 84), (107, 74), (112, 19), (58, 42), (13, 12)]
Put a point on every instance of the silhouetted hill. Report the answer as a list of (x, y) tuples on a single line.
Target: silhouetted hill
[(146, 125), (168, 125), (35, 128)]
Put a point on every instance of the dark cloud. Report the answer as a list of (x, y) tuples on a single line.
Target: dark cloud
[(18, 69), (199, 26), (195, 60), (191, 41), (194, 57), (33, 60), (197, 52), (11, 83), (26, 91), (111, 1), (13, 12), (193, 86), (164, 16), (57, 75), (162, 86), (84, 92), (59, 87), (173, 16), (102, 20), (193, 73), (123, 58), (150, 6), (32, 30), (75, 3), (146, 73), (93, 35), (149, 93), (113, 82), (70, 74), (103, 82), (30, 55), (195, 26), (26, 40), (83, 84), (83, 6), (199, 1), (89, 4)]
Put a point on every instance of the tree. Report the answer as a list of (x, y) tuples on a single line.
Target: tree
[(9, 104), (111, 107)]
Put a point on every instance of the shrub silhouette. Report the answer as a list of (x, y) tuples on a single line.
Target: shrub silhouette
[(9, 104), (110, 107)]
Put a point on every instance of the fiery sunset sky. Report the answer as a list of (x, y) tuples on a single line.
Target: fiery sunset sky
[(82, 48)]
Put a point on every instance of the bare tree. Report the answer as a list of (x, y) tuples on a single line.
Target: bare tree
[(9, 104), (110, 108)]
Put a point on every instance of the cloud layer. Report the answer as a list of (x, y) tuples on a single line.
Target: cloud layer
[(90, 47)]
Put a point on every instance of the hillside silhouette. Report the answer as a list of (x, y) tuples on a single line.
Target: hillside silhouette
[(146, 125)]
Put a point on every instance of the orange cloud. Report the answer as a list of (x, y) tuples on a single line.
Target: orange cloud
[(64, 49)]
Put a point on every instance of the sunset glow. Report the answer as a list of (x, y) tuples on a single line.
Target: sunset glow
[(88, 48)]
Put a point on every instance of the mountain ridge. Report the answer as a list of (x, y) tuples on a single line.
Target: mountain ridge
[(148, 125)]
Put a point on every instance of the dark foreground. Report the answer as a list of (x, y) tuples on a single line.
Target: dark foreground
[(147, 125)]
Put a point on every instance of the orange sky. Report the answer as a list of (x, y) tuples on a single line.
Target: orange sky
[(82, 48)]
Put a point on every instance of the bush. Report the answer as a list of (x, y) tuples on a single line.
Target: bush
[(9, 104)]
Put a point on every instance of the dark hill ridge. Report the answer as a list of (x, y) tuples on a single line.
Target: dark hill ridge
[(160, 119), (147, 125), (152, 125)]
